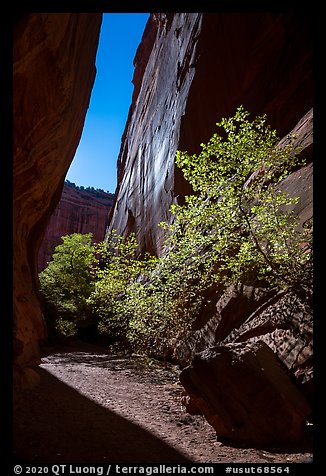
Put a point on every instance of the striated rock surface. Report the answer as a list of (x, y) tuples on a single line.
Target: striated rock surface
[(246, 395), (53, 74), (146, 162), (191, 70), (79, 211)]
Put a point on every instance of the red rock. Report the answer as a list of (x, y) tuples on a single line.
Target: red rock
[(79, 211), (244, 392), (201, 67), (190, 405), (191, 70), (146, 161), (53, 74)]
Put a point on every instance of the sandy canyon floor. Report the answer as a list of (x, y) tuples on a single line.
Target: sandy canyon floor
[(95, 406)]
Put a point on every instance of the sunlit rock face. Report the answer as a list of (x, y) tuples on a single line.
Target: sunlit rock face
[(146, 162), (53, 74), (191, 70), (79, 211)]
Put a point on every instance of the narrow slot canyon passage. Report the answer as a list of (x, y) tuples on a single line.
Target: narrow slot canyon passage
[(94, 406), (79, 399)]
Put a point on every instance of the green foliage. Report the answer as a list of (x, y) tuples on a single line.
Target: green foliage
[(97, 192), (154, 318), (68, 281), (237, 228), (119, 270), (65, 328), (239, 224)]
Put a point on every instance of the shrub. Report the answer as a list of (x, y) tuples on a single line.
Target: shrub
[(119, 270), (65, 328), (239, 224), (68, 281), (236, 228)]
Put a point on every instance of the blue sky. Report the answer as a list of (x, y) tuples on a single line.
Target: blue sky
[(95, 160)]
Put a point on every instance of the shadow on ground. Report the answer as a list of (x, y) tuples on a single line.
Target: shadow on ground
[(59, 425)]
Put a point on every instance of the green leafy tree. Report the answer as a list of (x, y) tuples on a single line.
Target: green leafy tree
[(239, 219), (237, 227), (67, 282), (119, 269)]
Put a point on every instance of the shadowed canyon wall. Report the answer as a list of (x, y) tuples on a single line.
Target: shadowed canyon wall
[(191, 70), (53, 74), (79, 211)]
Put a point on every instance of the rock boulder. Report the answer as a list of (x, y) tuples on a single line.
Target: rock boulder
[(245, 393)]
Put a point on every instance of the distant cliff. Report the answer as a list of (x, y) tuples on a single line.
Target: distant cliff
[(79, 211)]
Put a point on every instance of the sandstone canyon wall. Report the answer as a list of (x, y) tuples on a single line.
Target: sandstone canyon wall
[(191, 69), (79, 211), (53, 74)]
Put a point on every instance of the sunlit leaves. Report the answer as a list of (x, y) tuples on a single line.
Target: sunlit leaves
[(237, 218), (237, 228), (119, 270)]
